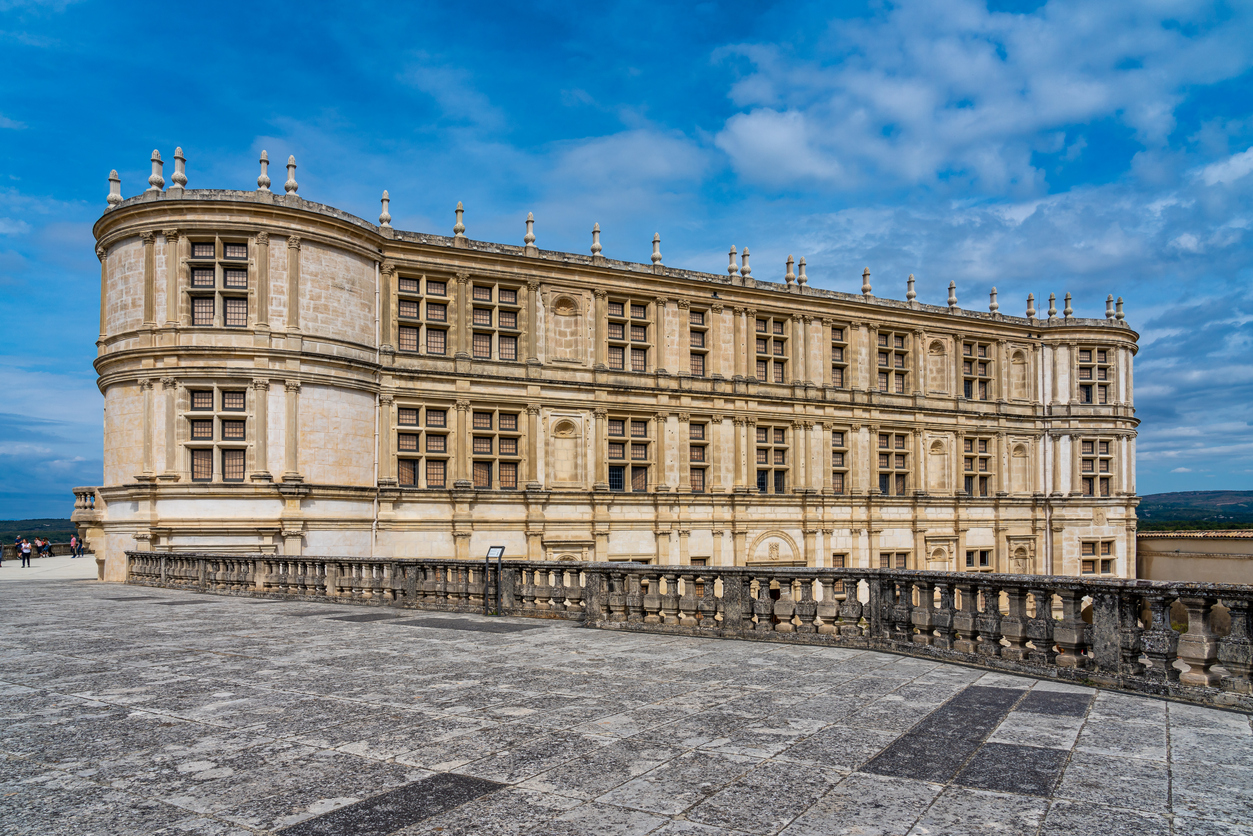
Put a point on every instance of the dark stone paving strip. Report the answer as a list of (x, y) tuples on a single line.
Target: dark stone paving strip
[(308, 614), (370, 616), (477, 626), (1005, 767), (135, 598), (181, 603), (1056, 703), (399, 808), (938, 746)]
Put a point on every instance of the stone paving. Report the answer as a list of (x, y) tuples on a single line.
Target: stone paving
[(132, 710)]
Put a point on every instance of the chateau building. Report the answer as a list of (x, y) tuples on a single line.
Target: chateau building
[(280, 376)]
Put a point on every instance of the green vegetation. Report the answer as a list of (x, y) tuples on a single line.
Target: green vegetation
[(1196, 511), (58, 531)]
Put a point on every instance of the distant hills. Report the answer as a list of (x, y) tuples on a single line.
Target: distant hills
[(1196, 510), (1206, 510)]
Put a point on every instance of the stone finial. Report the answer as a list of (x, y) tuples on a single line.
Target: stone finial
[(745, 270), (657, 248), (790, 275), (263, 180), (1069, 311), (155, 181), (596, 248), (385, 217), (802, 279), (865, 282), (1118, 314), (529, 238), (732, 268), (1052, 306), (1109, 306), (1030, 306), (910, 293), (179, 178), (459, 228), (993, 305), (115, 189), (952, 295), (291, 186)]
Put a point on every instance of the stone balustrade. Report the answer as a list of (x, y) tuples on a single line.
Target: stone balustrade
[(1109, 633)]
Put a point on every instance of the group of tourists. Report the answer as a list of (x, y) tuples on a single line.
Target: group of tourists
[(41, 547)]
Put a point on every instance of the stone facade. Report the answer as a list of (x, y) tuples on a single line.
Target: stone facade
[(281, 377)]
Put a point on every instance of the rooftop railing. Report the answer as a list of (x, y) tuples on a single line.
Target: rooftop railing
[(1104, 633)]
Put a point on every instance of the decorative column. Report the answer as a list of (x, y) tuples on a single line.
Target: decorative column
[(737, 466), (387, 456), (387, 275), (798, 354), (685, 437), (532, 323), (807, 324), (291, 460), (145, 386), (714, 335), (598, 445), (750, 441), (532, 448), (685, 558), (716, 558), (737, 347), (104, 292), (150, 292), (824, 450), (462, 337), (461, 447), (683, 362), (662, 421), (293, 284), (263, 282), (172, 290), (746, 356), (800, 452), (1055, 440), (601, 331), (1076, 487), (170, 387), (716, 442), (261, 430), (662, 336)]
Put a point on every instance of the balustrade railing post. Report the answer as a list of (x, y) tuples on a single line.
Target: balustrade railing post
[(784, 608), (989, 621), (1071, 633), (1130, 645), (763, 606), (1014, 625), (923, 614), (1040, 629), (1199, 646), (202, 573), (706, 605), (1161, 642), (964, 619), (1235, 650), (806, 607), (1106, 630), (851, 609), (687, 600), (942, 618)]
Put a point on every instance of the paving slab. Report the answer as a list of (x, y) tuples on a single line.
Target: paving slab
[(126, 710)]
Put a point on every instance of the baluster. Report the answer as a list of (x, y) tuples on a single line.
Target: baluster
[(851, 608), (1235, 650), (923, 615), (650, 598), (1130, 635), (615, 600), (1040, 629), (558, 591), (1014, 625), (827, 611), (389, 585), (964, 619), (1161, 641), (706, 603), (574, 593), (687, 601), (1071, 634), (806, 607), (989, 621), (633, 599), (527, 577), (784, 607), (670, 599), (1199, 646), (942, 618), (763, 607)]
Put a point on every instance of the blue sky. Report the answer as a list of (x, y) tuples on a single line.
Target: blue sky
[(1086, 147)]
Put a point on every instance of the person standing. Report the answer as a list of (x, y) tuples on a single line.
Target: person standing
[(73, 546), (25, 553)]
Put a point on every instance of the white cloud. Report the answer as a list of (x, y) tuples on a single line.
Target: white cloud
[(1228, 170), (454, 91), (944, 92), (8, 226), (1182, 470), (11, 124)]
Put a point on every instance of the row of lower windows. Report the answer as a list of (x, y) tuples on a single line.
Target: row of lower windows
[(231, 461)]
